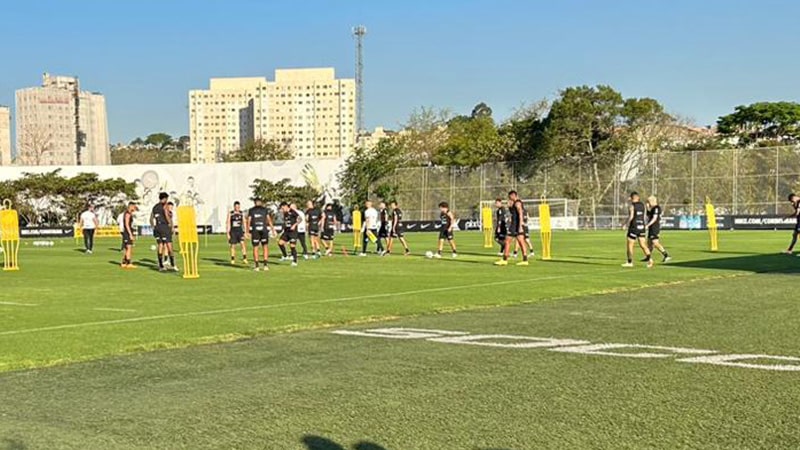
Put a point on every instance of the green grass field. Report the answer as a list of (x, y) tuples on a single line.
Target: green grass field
[(78, 337)]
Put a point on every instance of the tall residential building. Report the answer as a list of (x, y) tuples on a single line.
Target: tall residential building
[(309, 110), (45, 125), (5, 135)]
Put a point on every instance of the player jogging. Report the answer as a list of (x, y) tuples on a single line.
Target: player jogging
[(654, 228), (328, 222), (396, 230), (447, 222), (289, 233), (636, 229), (259, 224), (794, 199), (235, 230), (500, 225), (161, 228), (313, 220), (516, 230), (128, 238)]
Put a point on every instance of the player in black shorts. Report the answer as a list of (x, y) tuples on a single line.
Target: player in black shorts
[(235, 228), (169, 211), (516, 230), (636, 230), (794, 199), (396, 229), (162, 228), (654, 228), (313, 220), (500, 224), (289, 233), (259, 223), (128, 238), (447, 224), (383, 227), (328, 223)]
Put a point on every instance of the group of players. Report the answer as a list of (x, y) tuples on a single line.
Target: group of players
[(644, 226)]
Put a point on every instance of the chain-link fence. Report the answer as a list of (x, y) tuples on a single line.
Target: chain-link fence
[(740, 181)]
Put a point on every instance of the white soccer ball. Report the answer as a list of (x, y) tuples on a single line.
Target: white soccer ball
[(50, 243), (152, 248), (429, 254)]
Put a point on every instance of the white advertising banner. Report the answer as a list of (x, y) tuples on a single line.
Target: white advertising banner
[(211, 188)]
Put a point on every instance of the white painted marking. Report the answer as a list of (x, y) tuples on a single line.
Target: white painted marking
[(731, 361), (523, 341), (602, 349), (290, 305), (399, 333), (114, 309), (17, 304)]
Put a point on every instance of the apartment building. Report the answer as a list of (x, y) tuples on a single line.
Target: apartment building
[(5, 135)]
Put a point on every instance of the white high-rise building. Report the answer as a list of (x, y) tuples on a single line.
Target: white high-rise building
[(308, 110), (5, 136), (45, 125)]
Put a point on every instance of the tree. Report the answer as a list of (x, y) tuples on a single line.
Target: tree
[(260, 150), (471, 141), (764, 121), (141, 155), (283, 191), (524, 132), (481, 110), (161, 141), (35, 143), (423, 134), (370, 172)]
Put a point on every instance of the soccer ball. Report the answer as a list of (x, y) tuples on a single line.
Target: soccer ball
[(152, 248), (429, 254)]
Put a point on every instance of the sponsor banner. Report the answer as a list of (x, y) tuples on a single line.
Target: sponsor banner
[(49, 232), (692, 222), (434, 225), (147, 230), (556, 223), (763, 223)]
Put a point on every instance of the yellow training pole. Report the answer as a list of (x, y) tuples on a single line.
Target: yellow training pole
[(187, 234), (9, 237), (357, 229), (711, 219), (545, 228), (488, 227)]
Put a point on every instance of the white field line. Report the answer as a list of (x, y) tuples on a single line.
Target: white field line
[(17, 304), (290, 305), (114, 309)]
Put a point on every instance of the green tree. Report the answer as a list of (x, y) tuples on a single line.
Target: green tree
[(144, 155), (424, 134), (161, 141), (260, 150), (471, 141), (764, 121), (283, 190), (371, 172)]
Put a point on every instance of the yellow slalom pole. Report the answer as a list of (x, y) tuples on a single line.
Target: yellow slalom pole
[(711, 219), (190, 243), (9, 237), (357, 229), (545, 229), (488, 227)]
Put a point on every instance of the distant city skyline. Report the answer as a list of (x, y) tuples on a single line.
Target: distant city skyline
[(700, 59)]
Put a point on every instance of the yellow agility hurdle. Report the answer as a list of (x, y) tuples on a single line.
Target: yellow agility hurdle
[(545, 228), (487, 217), (711, 219), (187, 234), (9, 236), (357, 236)]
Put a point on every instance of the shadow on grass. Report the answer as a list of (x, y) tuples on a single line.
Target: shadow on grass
[(12, 444), (762, 263), (321, 443), (223, 263)]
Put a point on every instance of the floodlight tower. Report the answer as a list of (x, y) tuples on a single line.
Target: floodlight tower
[(359, 32)]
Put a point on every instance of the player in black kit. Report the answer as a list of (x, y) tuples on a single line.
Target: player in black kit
[(500, 224), (128, 237), (396, 230), (636, 230), (383, 226), (313, 220), (516, 230), (654, 228), (259, 224), (329, 223), (447, 224), (235, 227), (162, 229), (794, 199), (289, 233)]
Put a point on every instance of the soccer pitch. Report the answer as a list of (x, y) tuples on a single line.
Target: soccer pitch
[(77, 336)]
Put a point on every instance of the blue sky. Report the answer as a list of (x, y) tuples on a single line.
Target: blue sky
[(700, 58)]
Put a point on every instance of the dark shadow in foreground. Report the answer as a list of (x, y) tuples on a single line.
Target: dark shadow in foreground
[(763, 263), (320, 443), (12, 444)]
